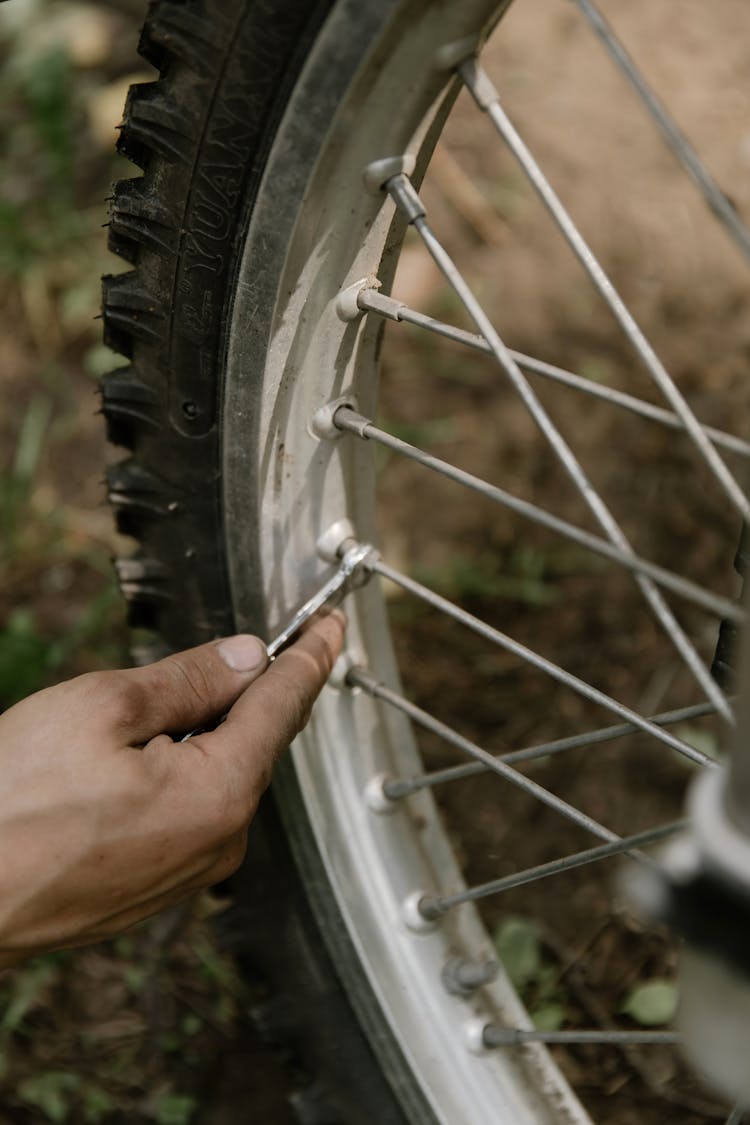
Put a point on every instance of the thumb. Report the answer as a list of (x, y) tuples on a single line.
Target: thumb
[(190, 688), (269, 714)]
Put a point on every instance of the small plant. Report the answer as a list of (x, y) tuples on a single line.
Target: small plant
[(174, 1109), (51, 1092), (24, 991), (535, 977)]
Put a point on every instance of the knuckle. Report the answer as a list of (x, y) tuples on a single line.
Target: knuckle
[(122, 699), (320, 653), (184, 671), (331, 640)]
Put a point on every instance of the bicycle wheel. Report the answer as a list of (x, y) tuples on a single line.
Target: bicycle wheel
[(258, 224)]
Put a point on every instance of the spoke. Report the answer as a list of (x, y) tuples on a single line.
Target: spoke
[(370, 300), (406, 198), (360, 677), (348, 419), (432, 907), (488, 99), (736, 1116), (537, 661), (397, 788), (495, 1036), (714, 197)]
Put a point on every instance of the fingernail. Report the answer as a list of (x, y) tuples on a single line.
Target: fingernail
[(243, 653)]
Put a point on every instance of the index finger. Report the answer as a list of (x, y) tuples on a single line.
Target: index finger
[(274, 708)]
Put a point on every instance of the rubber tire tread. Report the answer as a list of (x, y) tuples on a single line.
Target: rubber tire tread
[(200, 134)]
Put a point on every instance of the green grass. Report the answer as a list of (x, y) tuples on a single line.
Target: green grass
[(120, 1028), (17, 481), (34, 543), (521, 574), (52, 251), (532, 972)]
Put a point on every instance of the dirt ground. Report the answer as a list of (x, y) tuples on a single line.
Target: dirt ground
[(152, 1044), (687, 287)]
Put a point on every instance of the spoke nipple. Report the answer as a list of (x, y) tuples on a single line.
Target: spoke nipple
[(376, 798), (414, 913), (358, 678), (377, 174), (339, 677), (474, 1035), (360, 560), (450, 55), (347, 307), (335, 539), (347, 419), (461, 977), (323, 422)]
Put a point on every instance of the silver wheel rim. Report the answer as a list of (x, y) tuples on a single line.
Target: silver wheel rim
[(375, 860)]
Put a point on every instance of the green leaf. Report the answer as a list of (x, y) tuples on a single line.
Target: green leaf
[(191, 1024), (124, 946), (50, 1092), (519, 948), (97, 1105), (135, 977), (174, 1109), (28, 986), (25, 659), (170, 1041), (548, 1017), (652, 1003), (547, 984)]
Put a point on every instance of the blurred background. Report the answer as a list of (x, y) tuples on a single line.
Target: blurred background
[(155, 1027), (142, 1029)]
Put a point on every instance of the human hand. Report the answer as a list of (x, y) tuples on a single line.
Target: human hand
[(104, 819)]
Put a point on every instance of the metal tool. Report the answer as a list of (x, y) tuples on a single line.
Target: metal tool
[(351, 574)]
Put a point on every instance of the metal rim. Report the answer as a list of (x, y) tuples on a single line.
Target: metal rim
[(378, 859)]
